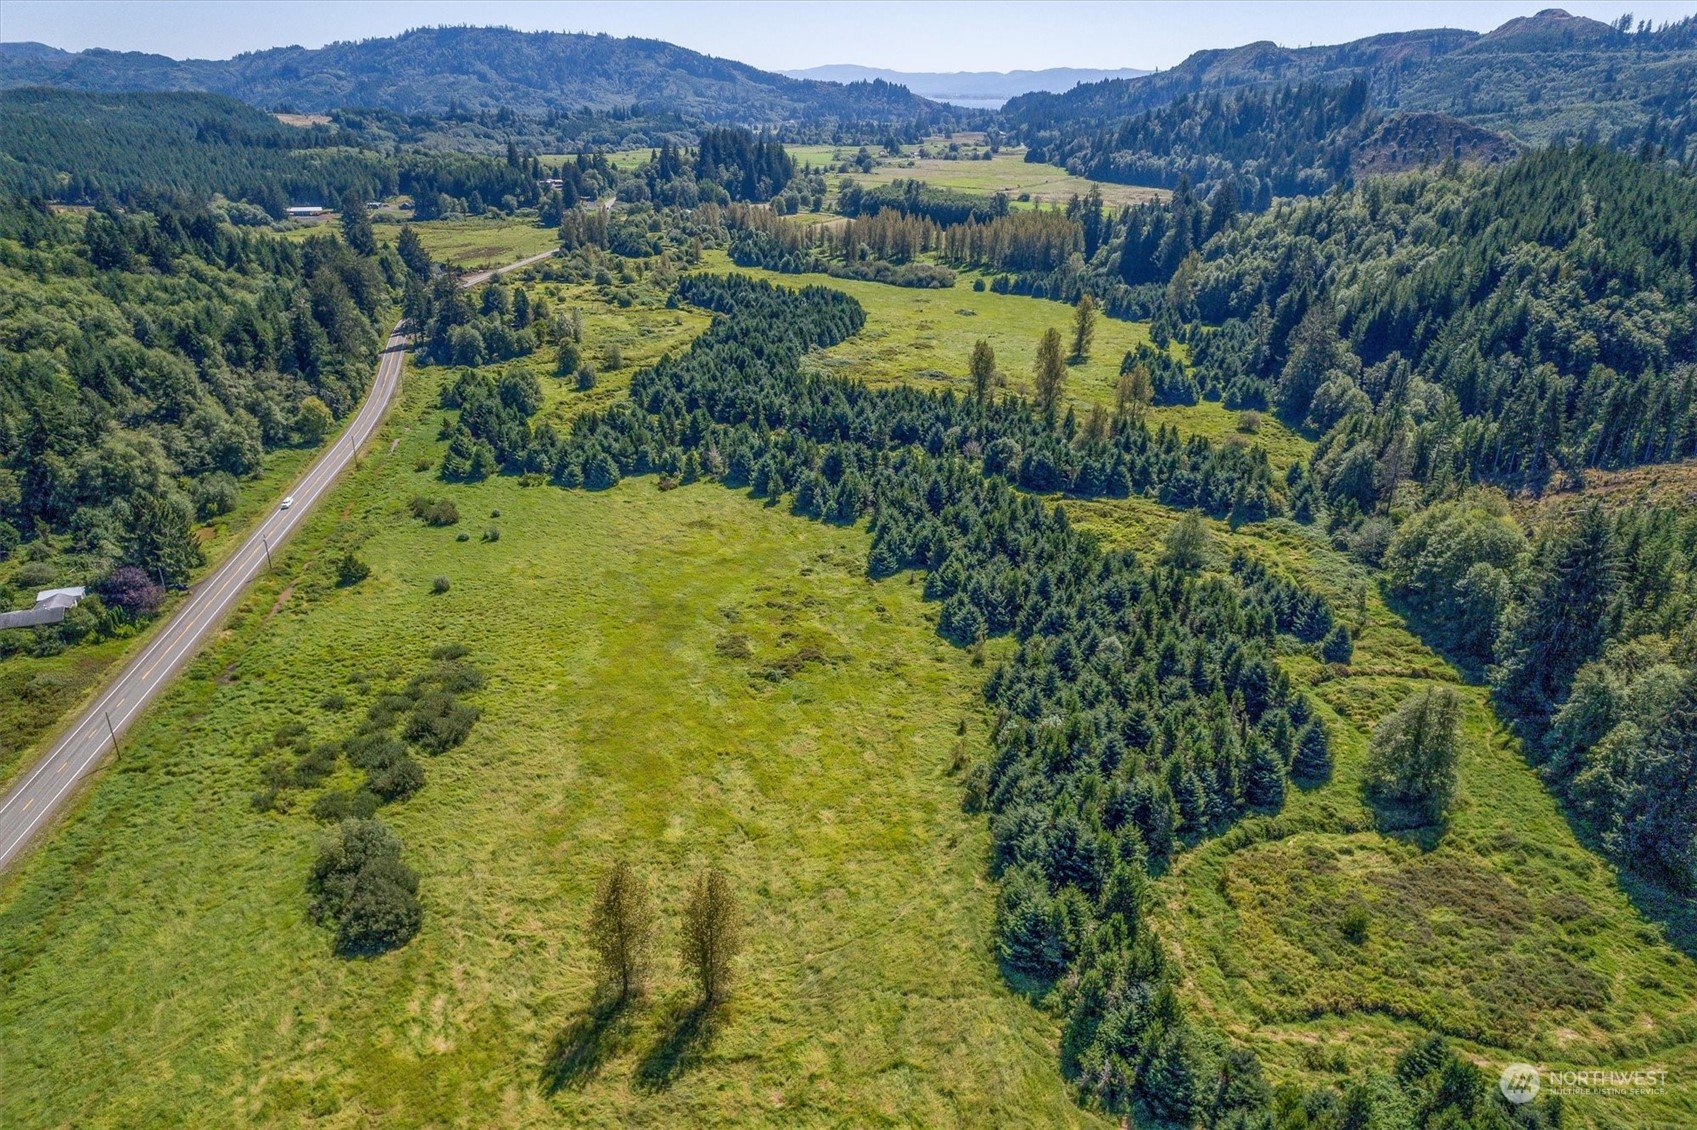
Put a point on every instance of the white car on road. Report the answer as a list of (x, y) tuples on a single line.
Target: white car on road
[(287, 502)]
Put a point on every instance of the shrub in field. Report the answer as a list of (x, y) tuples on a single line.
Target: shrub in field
[(434, 511), (440, 721), (360, 887), (351, 570)]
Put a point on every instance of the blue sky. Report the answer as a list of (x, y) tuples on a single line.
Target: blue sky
[(942, 36)]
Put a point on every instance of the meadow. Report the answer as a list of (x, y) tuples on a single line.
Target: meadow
[(476, 243), (674, 677), (690, 675), (1500, 931), (925, 338), (1005, 171)]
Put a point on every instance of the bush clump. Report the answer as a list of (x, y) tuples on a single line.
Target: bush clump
[(351, 570), (360, 887), (338, 805), (440, 722), (434, 511)]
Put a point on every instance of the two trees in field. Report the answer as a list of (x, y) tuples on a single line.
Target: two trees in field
[(622, 925)]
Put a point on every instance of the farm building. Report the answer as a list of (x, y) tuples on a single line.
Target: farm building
[(50, 608), (301, 210)]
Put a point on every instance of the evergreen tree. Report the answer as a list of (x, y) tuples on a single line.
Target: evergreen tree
[(1083, 328), (1264, 777), (411, 250), (1311, 764), (356, 227), (1338, 646), (1562, 620)]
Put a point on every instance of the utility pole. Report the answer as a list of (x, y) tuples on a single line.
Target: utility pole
[(267, 545), (106, 714)]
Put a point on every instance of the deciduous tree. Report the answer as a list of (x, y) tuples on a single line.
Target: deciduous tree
[(621, 928), (711, 935)]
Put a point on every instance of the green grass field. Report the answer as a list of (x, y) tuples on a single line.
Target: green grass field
[(473, 243), (159, 968), (925, 338), (1503, 933), (1007, 171)]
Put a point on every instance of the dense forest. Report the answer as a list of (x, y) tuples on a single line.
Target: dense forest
[(1513, 326), (1267, 142), (79, 148), (151, 359)]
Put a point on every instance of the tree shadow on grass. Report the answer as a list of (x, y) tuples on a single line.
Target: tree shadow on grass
[(688, 1028), (589, 1040), (1406, 822)]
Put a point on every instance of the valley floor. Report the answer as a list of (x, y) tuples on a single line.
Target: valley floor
[(157, 960)]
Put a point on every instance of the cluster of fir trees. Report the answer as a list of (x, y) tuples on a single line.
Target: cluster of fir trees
[(881, 248), (755, 435), (728, 165), (944, 207), (1142, 707), (153, 357), (746, 167), (460, 327), (1586, 633)]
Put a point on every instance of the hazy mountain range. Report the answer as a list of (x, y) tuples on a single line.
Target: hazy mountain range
[(984, 89), (431, 70), (1535, 78)]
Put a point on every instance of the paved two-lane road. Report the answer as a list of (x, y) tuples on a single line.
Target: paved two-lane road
[(39, 794)]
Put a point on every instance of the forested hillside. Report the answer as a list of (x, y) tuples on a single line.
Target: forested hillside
[(1517, 327), (1510, 326), (77, 148), (1268, 142), (1538, 79), (150, 360), (432, 70)]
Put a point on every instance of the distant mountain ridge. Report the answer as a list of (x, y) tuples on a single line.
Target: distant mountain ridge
[(1538, 78), (432, 70), (969, 88)]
